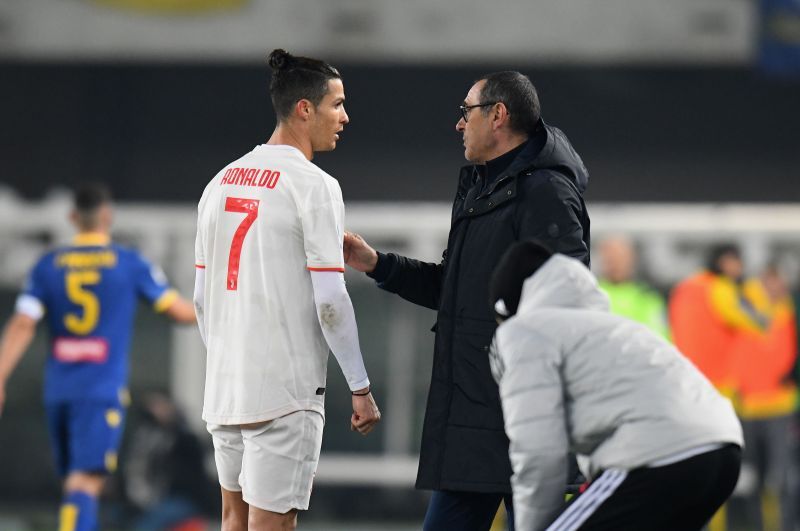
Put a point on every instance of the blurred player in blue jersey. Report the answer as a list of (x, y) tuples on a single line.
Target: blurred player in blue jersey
[(89, 293)]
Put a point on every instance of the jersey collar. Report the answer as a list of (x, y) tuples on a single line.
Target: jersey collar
[(91, 239)]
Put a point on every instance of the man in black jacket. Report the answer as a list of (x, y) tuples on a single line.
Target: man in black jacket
[(525, 183)]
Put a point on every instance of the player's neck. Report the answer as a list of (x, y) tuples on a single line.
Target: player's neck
[(286, 135), (92, 237)]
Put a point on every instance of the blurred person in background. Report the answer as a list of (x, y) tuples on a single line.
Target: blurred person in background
[(723, 329), (89, 291), (271, 300), (629, 298), (766, 400), (708, 310), (525, 181), (662, 447), (164, 470)]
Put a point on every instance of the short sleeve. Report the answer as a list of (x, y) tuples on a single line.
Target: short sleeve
[(322, 217), (33, 297), (199, 242), (35, 285), (152, 285), (199, 249)]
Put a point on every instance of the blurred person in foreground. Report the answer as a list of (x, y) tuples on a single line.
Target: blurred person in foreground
[(662, 447), (629, 298), (271, 300), (89, 291), (766, 400), (525, 181), (164, 473)]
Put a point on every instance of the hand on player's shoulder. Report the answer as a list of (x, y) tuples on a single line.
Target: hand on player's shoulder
[(358, 254)]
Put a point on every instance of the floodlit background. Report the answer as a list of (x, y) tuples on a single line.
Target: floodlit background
[(685, 112)]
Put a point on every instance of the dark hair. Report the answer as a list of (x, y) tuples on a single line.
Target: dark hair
[(717, 252), (518, 94), (520, 261), (90, 196), (88, 199), (296, 78)]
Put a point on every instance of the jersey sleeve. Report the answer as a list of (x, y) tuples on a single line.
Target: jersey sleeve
[(199, 242), (199, 251), (322, 217), (152, 285), (32, 299)]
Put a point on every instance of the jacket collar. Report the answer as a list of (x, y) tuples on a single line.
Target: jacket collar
[(537, 148)]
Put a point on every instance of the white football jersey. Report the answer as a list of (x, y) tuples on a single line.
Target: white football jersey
[(264, 221)]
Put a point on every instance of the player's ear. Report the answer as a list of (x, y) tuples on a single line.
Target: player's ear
[(303, 109), (500, 115), (105, 216)]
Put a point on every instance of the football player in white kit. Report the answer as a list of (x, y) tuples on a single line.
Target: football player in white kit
[(271, 301)]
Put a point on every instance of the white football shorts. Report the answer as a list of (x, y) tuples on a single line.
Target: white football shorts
[(271, 464)]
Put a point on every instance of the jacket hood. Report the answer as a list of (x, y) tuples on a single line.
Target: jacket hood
[(557, 154), (562, 282)]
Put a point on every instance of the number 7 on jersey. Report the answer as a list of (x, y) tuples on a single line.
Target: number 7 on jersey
[(250, 208)]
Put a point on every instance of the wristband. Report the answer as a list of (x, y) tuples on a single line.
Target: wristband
[(360, 394)]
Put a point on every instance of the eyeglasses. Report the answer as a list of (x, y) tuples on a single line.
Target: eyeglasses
[(466, 108)]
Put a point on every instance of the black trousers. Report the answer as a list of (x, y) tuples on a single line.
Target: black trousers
[(465, 511), (682, 496)]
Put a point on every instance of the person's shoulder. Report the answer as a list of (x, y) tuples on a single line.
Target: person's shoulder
[(547, 191), (316, 177), (649, 292), (318, 174), (547, 180), (527, 326), (302, 169), (46, 260), (128, 256)]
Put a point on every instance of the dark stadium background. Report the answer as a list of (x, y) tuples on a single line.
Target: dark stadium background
[(161, 131)]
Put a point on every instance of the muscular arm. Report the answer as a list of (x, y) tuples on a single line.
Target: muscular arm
[(181, 311), (338, 322), (17, 337)]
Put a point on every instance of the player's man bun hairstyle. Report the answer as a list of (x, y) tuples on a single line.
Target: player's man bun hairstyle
[(279, 59), (519, 262), (296, 78)]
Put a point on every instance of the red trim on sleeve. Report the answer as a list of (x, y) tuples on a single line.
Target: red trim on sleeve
[(339, 269), (198, 266)]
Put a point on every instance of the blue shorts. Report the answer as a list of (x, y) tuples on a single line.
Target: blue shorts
[(85, 435)]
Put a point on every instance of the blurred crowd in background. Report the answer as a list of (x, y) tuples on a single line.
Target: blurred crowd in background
[(741, 332)]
